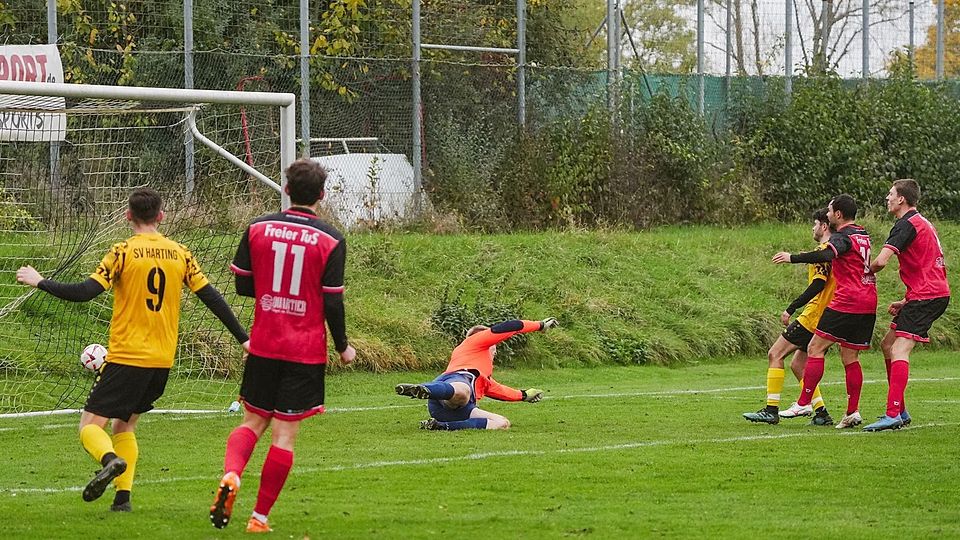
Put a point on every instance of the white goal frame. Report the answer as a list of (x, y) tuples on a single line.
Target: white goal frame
[(285, 101)]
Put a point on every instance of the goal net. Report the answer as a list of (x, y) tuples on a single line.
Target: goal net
[(69, 157)]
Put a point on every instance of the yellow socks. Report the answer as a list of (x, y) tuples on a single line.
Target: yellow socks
[(774, 386), (125, 446), (95, 441)]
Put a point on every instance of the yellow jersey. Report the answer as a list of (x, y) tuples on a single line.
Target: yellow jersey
[(815, 307), (146, 272)]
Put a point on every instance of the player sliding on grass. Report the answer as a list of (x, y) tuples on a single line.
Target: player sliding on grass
[(453, 396), (797, 337), (923, 270), (850, 317), (146, 272), (293, 264)]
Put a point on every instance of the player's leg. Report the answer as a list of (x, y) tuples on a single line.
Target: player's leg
[(441, 388), (126, 446), (853, 376), (775, 355), (813, 370), (821, 417), (478, 419), (276, 469), (258, 388)]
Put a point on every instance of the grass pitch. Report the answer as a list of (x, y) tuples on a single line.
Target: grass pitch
[(613, 452)]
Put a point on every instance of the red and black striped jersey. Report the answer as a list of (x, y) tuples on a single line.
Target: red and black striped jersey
[(856, 284), (294, 260), (922, 268)]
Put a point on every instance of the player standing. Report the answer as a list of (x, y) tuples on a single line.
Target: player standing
[(797, 336), (454, 394), (851, 315), (923, 270), (292, 263), (146, 272)]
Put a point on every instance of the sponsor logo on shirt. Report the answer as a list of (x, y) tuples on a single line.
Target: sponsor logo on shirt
[(283, 305)]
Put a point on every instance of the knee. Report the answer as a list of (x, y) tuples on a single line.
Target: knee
[(460, 398)]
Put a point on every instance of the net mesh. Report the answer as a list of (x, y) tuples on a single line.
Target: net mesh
[(62, 206)]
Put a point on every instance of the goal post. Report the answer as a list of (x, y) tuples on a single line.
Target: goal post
[(62, 216)]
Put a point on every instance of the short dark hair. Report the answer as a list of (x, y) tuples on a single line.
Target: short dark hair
[(145, 205), (821, 215), (909, 189), (845, 205), (305, 181)]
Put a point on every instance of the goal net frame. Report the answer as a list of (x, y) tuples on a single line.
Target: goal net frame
[(284, 103)]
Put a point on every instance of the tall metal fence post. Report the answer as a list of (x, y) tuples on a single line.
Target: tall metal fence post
[(522, 62), (53, 38), (865, 34), (417, 106), (912, 42), (940, 38), (189, 169), (788, 47), (728, 52), (611, 55), (305, 78), (700, 56)]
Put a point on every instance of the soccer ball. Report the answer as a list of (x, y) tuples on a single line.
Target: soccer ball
[(93, 356)]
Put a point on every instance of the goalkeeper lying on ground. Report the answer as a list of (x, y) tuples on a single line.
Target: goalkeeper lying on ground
[(453, 396)]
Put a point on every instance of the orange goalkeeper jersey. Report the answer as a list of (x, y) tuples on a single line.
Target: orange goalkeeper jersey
[(474, 354)]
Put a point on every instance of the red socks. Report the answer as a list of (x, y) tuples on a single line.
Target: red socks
[(812, 374), (240, 445), (275, 470), (899, 373), (854, 376)]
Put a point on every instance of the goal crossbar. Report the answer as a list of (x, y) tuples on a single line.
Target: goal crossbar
[(284, 100)]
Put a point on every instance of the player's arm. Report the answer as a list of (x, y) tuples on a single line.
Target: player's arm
[(211, 297), (901, 235), (816, 287), (333, 310), (506, 330), (503, 392), (72, 292), (882, 259), (242, 268)]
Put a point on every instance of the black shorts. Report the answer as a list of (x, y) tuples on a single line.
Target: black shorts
[(917, 316), (850, 330), (798, 335), (120, 390), (284, 390)]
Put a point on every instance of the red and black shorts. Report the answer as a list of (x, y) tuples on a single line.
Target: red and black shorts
[(121, 391), (850, 330), (283, 390), (917, 316), (798, 335)]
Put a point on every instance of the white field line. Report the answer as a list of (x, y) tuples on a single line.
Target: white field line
[(487, 455), (336, 410)]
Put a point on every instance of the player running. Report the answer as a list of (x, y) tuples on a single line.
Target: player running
[(293, 264), (146, 272), (851, 315), (453, 396), (923, 270), (796, 337)]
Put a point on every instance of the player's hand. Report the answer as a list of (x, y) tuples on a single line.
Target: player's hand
[(532, 395), (781, 258), (246, 346), (29, 276), (549, 323), (785, 318), (348, 355), (895, 307)]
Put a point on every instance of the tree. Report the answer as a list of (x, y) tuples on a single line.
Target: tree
[(925, 56)]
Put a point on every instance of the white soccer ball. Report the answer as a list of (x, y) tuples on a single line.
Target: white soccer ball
[(93, 356)]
